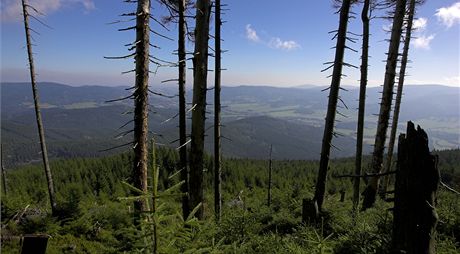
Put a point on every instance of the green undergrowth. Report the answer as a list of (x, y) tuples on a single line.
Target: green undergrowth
[(96, 217)]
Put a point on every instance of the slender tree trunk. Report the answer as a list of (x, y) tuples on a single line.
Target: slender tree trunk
[(3, 172), (200, 72), (269, 192), (362, 102), (155, 177), (332, 104), (402, 73), (385, 105), (141, 101), (41, 131), (217, 143), (182, 111)]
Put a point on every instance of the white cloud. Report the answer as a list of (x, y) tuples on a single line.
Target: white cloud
[(11, 10), (274, 42), (449, 15), (285, 45), (455, 81), (423, 42), (89, 5), (420, 24), (251, 34)]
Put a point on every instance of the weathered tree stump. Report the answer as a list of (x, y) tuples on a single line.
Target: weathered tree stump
[(417, 181), (342, 195), (34, 244), (310, 211)]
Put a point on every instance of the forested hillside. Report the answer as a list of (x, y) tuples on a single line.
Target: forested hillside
[(80, 122), (94, 217)]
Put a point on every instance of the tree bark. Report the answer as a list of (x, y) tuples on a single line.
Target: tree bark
[(310, 211), (332, 104), (342, 195), (385, 105), (155, 178), (200, 69), (41, 130), (217, 90), (141, 102), (362, 102), (417, 182), (402, 74), (182, 110), (269, 192), (34, 243), (4, 188)]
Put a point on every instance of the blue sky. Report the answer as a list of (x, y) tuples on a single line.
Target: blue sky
[(278, 43)]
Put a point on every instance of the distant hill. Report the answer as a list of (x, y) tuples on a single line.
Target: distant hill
[(79, 122), (251, 138), (435, 107)]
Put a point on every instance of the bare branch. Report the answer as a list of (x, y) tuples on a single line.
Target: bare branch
[(366, 175), (120, 57), (120, 99), (115, 147)]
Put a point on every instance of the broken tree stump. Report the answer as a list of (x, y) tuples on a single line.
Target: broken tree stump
[(34, 244), (310, 211), (342, 196), (417, 182)]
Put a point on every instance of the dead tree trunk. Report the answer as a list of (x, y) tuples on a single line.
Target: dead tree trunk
[(342, 195), (417, 181), (182, 110), (362, 102), (41, 130), (332, 104), (385, 105), (155, 177), (200, 71), (402, 73), (269, 192), (4, 181), (3, 172), (217, 143), (310, 211), (141, 101), (35, 243)]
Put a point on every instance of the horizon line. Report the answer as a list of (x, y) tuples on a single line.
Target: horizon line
[(301, 86)]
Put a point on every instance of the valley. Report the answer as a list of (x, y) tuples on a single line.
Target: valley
[(79, 121)]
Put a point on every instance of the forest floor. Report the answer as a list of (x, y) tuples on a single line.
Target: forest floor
[(95, 210)]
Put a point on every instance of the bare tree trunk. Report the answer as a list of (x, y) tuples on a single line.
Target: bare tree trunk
[(141, 101), (402, 73), (3, 172), (155, 177), (332, 104), (385, 105), (217, 143), (200, 72), (342, 195), (182, 111), (41, 131), (34, 243), (269, 193), (362, 102), (417, 182)]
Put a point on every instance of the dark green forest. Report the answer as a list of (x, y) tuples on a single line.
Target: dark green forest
[(95, 218)]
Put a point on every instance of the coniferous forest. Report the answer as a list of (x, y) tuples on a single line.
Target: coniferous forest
[(143, 193)]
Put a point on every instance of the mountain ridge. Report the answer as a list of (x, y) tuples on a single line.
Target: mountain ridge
[(77, 118)]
